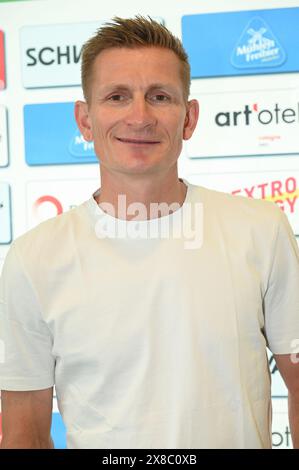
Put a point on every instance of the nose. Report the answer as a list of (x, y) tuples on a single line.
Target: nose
[(139, 114)]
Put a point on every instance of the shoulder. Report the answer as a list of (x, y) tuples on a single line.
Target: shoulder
[(239, 209), (51, 237)]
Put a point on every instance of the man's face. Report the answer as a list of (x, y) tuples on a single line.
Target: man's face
[(137, 115)]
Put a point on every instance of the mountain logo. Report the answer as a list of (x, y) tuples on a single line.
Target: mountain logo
[(258, 47)]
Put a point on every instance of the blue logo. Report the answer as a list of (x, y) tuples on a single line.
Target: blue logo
[(242, 42), (79, 147), (258, 47), (52, 136), (58, 431)]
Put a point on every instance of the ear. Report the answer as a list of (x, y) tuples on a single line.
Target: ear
[(190, 119), (83, 120)]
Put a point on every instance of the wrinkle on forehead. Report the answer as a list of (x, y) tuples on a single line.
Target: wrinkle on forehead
[(137, 68)]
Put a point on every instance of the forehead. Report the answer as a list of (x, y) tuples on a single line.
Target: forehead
[(144, 64)]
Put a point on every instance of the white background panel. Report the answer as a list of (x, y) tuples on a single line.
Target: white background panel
[(265, 121), (47, 199), (281, 435), (3, 137), (281, 187), (71, 184), (50, 53), (5, 214)]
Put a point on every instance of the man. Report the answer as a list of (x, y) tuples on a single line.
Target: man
[(152, 340)]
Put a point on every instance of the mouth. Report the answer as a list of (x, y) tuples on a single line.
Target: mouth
[(137, 141)]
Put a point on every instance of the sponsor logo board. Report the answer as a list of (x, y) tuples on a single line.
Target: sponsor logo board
[(281, 187), (47, 199), (246, 123), (52, 136), (5, 214), (242, 42), (3, 137), (51, 54), (281, 433), (2, 61)]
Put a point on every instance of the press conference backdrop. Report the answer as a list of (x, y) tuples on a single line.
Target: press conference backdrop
[(245, 74)]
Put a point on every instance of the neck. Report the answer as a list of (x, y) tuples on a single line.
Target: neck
[(118, 195)]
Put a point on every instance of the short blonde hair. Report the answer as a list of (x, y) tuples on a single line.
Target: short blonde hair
[(132, 33)]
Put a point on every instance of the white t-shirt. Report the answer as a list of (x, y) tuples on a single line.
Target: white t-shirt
[(150, 343)]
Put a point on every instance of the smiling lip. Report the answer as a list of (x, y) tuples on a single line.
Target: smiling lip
[(137, 141)]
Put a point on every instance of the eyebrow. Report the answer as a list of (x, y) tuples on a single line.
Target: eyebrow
[(125, 87)]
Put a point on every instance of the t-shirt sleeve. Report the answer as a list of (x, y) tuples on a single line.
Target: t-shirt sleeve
[(26, 361), (281, 300)]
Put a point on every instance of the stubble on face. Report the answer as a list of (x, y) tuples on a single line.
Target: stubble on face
[(137, 109)]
